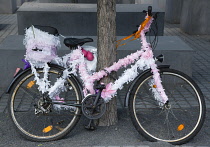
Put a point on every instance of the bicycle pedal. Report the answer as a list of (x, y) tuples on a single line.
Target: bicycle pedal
[(90, 128)]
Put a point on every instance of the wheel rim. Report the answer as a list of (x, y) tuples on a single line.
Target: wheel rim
[(168, 125), (43, 126)]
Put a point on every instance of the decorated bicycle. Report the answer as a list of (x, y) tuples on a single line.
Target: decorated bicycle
[(51, 93)]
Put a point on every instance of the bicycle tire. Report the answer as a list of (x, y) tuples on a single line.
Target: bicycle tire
[(176, 124), (55, 124)]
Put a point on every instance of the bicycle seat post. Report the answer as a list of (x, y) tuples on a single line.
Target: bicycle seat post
[(99, 89)]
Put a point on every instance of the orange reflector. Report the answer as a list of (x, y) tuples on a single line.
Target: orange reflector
[(154, 86), (180, 127), (47, 129), (30, 84)]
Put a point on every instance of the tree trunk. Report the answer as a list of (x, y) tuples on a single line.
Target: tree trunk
[(106, 26)]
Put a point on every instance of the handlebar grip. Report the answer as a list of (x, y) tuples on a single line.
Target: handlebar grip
[(150, 10)]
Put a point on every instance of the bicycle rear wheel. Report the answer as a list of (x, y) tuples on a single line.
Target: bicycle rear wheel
[(58, 116), (176, 122)]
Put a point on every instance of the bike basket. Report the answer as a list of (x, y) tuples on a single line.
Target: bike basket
[(40, 46)]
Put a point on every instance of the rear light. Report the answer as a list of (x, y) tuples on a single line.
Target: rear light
[(18, 70)]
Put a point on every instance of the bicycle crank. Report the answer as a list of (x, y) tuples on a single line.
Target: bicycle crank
[(91, 110)]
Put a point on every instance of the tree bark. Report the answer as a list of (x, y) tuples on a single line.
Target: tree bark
[(106, 30)]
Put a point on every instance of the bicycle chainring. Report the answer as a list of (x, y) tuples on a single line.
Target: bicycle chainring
[(90, 111)]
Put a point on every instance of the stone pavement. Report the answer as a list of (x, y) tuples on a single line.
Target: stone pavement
[(8, 25), (201, 66), (201, 63)]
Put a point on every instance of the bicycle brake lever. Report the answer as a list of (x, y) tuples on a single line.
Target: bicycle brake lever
[(144, 11)]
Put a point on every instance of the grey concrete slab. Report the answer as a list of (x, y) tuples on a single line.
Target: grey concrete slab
[(176, 52), (159, 3), (81, 19), (84, 1), (20, 2), (57, 1), (195, 17), (173, 11), (8, 6)]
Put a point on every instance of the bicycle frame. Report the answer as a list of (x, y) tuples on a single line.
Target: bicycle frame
[(142, 58), (45, 94)]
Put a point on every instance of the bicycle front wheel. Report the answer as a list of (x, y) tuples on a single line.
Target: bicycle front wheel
[(176, 122), (39, 118)]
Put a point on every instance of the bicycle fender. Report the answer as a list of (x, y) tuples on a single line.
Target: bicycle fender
[(15, 79), (28, 69), (127, 96)]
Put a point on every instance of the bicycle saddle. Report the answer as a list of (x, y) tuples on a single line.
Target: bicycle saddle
[(74, 42)]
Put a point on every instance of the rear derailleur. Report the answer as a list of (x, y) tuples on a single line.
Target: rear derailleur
[(43, 106)]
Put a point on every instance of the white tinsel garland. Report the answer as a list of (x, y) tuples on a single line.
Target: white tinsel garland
[(76, 61), (40, 46), (43, 83)]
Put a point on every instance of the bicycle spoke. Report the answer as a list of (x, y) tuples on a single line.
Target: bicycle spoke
[(40, 119), (175, 120)]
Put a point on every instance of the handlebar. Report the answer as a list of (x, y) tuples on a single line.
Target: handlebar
[(136, 34), (149, 10)]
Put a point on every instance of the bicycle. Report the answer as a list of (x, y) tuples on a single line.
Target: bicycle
[(164, 104)]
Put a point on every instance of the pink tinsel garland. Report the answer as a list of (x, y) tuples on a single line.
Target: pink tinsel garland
[(142, 59), (145, 58)]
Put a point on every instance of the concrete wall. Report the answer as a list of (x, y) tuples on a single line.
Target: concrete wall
[(84, 1), (159, 3), (20, 2), (173, 11), (176, 53), (195, 17), (8, 6), (144, 1), (57, 1), (81, 19), (125, 1)]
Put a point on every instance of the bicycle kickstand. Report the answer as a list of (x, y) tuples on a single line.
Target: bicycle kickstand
[(91, 125)]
